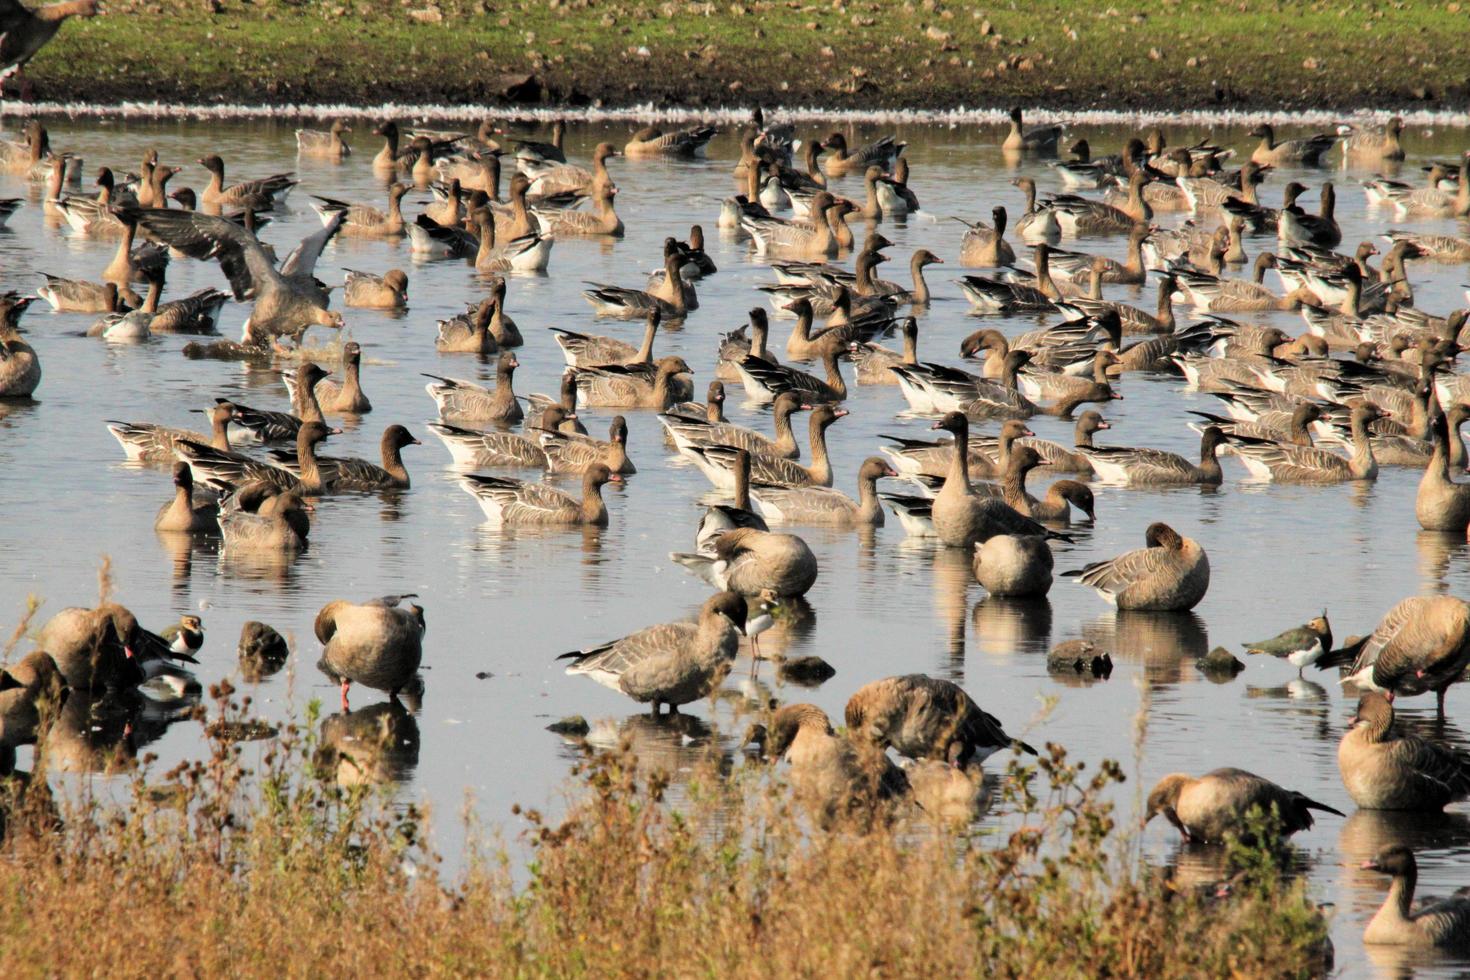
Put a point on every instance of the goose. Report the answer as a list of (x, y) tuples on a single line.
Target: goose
[(529, 252), (345, 397), (93, 217), (217, 467), (1061, 496), (324, 144), (1387, 769), (1441, 504), (476, 449), (20, 366), (1013, 566), (1060, 385), (1212, 294), (377, 643), (924, 717), (672, 663), (31, 691), (988, 458), (895, 195), (515, 502), (841, 782), (1042, 139), (350, 474), (1307, 464), (871, 363), (961, 519), (254, 425), (468, 401), (180, 513), (1428, 202), (364, 220), (690, 431), (1062, 459), (764, 380), (1036, 226), (1212, 193), (469, 334), (1365, 147), (373, 292), (104, 648), (1296, 227), (1082, 216), (1438, 248), (1082, 172), (651, 141), (567, 223), (719, 518), (1290, 426), (1308, 150), (822, 505), (280, 524), (559, 179), (985, 246), (621, 301), (1171, 573), (1438, 924), (539, 151), (1422, 644), (1002, 296), (567, 401), (130, 264), (1214, 807), (431, 240), (81, 296), (753, 562), (1154, 467), (720, 463), (814, 237), (475, 171), (286, 301), (1079, 266), (24, 32), (839, 162), (590, 350), (658, 385), (570, 452), (450, 210), (145, 442), (251, 195), (1300, 646)]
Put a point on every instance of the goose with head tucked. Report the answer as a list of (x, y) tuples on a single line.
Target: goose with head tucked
[(1171, 573), (751, 561)]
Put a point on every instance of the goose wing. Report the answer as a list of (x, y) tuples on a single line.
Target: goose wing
[(240, 255)]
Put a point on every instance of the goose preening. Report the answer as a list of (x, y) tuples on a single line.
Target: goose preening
[(1218, 805), (1433, 925), (1171, 573), (1420, 645), (378, 643), (926, 718), (672, 663), (1300, 646), (752, 561), (1388, 768)]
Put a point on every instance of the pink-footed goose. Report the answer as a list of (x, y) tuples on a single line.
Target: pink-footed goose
[(1215, 806), (1170, 574), (378, 643)]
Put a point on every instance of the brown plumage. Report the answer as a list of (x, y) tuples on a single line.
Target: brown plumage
[(1170, 574), (1445, 923), (375, 643), (1215, 805), (1385, 768), (926, 718)]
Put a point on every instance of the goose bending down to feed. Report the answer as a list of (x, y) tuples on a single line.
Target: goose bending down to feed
[(1387, 769), (1442, 924), (103, 648), (672, 663), (1217, 806), (1308, 464), (924, 717), (284, 304), (824, 505), (280, 523), (1171, 573), (20, 366), (368, 291), (659, 386), (1013, 565), (751, 562), (1420, 645), (515, 502), (378, 643), (467, 400), (1155, 467), (181, 513), (1300, 646), (961, 518)]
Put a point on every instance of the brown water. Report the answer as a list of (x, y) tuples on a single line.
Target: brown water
[(502, 603)]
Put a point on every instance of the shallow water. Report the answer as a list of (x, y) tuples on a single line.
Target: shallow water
[(501, 604)]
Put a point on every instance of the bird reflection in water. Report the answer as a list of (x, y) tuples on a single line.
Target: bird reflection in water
[(370, 746), (1163, 642), (1436, 550), (1012, 625), (105, 735)]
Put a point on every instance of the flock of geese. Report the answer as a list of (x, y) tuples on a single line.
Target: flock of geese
[(1291, 409)]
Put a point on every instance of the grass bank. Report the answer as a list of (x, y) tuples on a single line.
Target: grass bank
[(283, 858), (841, 54)]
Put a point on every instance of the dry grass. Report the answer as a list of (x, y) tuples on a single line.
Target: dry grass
[(289, 865)]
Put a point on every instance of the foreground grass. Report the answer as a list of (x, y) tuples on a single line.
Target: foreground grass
[(278, 859), (863, 53)]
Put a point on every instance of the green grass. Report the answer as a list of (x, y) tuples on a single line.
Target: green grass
[(869, 53)]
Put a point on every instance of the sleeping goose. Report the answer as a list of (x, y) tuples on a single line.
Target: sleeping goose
[(378, 643), (752, 562), (515, 502), (1171, 573)]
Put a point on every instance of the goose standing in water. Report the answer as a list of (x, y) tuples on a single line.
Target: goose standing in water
[(1388, 769), (673, 663), (1435, 925), (1170, 574), (1420, 645), (751, 561), (378, 643), (961, 518), (1214, 806), (1013, 565), (926, 718)]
